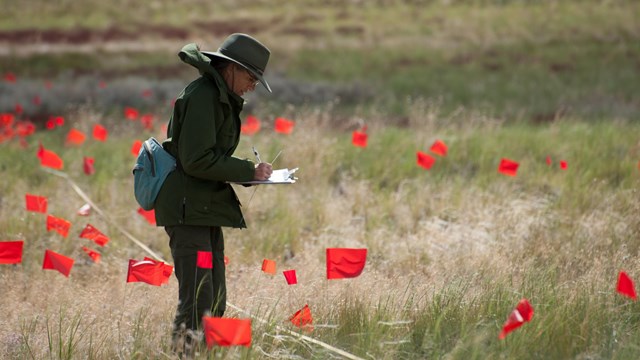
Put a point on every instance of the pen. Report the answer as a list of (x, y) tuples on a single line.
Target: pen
[(255, 152)]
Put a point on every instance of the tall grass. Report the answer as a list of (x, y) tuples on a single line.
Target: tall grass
[(451, 249)]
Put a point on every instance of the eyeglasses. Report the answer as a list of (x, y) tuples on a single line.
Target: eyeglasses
[(252, 78)]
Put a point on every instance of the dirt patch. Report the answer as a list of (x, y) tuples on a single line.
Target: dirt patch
[(405, 62), (561, 67), (462, 59), (350, 30), (306, 32), (81, 37), (226, 27), (85, 36), (306, 18), (492, 66)]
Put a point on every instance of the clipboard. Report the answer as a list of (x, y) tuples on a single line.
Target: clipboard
[(280, 176)]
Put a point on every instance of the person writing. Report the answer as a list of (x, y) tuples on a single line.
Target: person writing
[(196, 201)]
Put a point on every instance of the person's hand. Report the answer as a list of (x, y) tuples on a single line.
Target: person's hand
[(263, 172)]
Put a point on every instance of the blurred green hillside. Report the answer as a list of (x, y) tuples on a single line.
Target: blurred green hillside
[(517, 60)]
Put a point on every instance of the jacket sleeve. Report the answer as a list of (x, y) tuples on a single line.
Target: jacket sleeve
[(202, 150)]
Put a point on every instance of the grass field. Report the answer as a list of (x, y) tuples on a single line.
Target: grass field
[(451, 250)]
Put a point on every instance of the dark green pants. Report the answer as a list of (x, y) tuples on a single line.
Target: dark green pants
[(201, 291)]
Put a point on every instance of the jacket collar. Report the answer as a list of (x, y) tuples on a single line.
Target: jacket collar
[(190, 54)]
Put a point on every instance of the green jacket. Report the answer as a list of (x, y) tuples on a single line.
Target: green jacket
[(203, 133)]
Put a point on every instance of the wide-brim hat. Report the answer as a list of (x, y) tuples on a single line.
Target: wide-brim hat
[(247, 52)]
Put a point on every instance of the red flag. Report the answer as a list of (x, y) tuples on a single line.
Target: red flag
[(84, 210), (625, 286), (87, 165), (61, 226), (345, 263), (205, 260), (226, 331), (11, 252), (6, 119), (49, 159), (269, 266), (7, 131), (100, 133), (130, 113), (50, 124), (250, 126), (10, 77), (302, 317), (55, 261), (439, 148), (94, 255), (93, 234), (520, 315), (149, 215), (147, 271), (147, 121), (167, 269), (135, 148), (563, 165), (425, 160), (59, 120), (290, 276), (508, 167), (25, 128), (359, 139), (54, 121), (549, 160), (36, 203), (75, 137), (284, 126)]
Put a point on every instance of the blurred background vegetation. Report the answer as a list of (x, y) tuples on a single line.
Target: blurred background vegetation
[(517, 60)]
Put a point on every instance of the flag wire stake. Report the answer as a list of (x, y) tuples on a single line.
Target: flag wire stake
[(300, 336), (86, 198), (256, 186)]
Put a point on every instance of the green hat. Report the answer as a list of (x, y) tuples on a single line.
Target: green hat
[(246, 51)]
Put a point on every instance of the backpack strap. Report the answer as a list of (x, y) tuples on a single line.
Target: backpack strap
[(171, 143)]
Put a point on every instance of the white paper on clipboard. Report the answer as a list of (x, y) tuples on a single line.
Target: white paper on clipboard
[(280, 176)]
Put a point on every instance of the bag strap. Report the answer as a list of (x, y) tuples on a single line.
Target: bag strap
[(173, 141), (149, 153)]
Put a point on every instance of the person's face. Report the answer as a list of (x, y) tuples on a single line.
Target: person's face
[(242, 81)]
